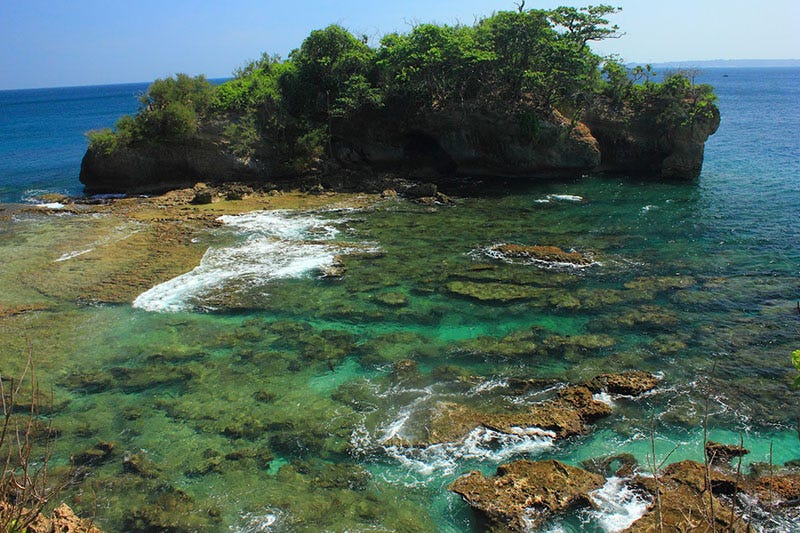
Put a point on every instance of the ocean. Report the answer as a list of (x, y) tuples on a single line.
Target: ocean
[(259, 396)]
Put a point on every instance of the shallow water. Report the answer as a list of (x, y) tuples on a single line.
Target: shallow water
[(263, 396)]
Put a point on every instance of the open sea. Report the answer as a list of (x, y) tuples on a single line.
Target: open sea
[(251, 394)]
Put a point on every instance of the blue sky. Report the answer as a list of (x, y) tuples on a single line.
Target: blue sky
[(49, 43)]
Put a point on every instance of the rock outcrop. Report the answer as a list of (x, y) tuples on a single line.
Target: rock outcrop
[(482, 143), (61, 520), (639, 143), (566, 414), (524, 494), (158, 167)]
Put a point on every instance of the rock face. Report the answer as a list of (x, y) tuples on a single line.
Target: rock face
[(158, 167), (523, 494), (445, 144), (637, 144)]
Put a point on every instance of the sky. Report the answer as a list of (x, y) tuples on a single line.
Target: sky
[(56, 43)]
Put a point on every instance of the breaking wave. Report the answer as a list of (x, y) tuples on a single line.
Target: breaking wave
[(272, 245)]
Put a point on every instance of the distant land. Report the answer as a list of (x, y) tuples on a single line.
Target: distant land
[(727, 63)]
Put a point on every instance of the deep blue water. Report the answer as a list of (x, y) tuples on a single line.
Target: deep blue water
[(42, 134)]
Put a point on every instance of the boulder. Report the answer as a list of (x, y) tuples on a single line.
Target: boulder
[(543, 254), (524, 494), (718, 453), (630, 383), (62, 520), (684, 504)]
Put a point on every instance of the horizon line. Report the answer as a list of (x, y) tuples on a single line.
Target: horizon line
[(223, 78)]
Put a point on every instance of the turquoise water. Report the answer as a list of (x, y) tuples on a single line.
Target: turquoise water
[(263, 397)]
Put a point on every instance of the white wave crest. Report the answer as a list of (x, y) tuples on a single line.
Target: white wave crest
[(616, 506), (277, 244), (559, 198), (256, 523), (481, 444)]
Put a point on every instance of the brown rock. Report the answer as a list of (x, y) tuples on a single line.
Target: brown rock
[(63, 520), (565, 415), (685, 504), (523, 494), (547, 254), (630, 383), (718, 453)]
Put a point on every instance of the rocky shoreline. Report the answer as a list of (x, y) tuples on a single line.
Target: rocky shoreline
[(522, 495)]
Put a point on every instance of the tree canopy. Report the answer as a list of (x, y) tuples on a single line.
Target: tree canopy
[(535, 58)]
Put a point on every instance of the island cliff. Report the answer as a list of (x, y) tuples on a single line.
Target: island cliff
[(519, 94)]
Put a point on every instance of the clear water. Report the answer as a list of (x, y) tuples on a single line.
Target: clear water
[(266, 394)]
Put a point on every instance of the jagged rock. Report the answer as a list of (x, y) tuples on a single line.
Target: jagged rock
[(389, 193), (567, 414), (718, 453), (62, 520), (779, 489), (543, 254), (204, 196), (524, 494), (630, 383), (685, 504)]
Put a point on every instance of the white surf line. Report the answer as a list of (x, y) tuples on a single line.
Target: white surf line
[(617, 506), (102, 242), (277, 244)]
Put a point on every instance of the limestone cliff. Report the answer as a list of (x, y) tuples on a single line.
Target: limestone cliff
[(485, 143)]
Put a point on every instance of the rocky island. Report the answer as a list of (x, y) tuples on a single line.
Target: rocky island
[(518, 94), (303, 333)]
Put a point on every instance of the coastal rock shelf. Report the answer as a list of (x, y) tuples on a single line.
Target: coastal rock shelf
[(336, 361)]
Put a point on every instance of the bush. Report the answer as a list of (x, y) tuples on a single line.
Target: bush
[(104, 140)]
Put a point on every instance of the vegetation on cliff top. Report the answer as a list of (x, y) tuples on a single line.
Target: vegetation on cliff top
[(520, 64)]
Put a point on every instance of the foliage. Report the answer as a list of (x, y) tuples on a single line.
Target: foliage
[(676, 101), (796, 363), (104, 140), (171, 109), (522, 63)]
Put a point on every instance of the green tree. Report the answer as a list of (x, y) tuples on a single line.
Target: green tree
[(585, 24)]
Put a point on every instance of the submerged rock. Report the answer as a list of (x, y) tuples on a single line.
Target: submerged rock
[(171, 510), (524, 494), (543, 254), (718, 453), (631, 383)]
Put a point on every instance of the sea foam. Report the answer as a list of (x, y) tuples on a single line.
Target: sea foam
[(273, 245), (616, 506)]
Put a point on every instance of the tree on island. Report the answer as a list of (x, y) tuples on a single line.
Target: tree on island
[(522, 65)]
